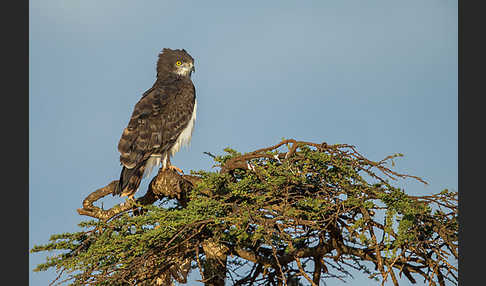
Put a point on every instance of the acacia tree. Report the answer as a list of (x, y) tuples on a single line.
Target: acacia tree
[(291, 214)]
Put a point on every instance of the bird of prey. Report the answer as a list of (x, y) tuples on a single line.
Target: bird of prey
[(162, 121)]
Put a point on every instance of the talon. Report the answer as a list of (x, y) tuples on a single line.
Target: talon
[(177, 169)]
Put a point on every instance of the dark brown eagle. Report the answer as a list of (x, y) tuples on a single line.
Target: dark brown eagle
[(162, 121)]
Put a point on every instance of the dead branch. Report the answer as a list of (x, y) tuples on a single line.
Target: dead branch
[(167, 183)]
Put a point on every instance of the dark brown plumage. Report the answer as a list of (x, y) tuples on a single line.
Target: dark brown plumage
[(161, 122)]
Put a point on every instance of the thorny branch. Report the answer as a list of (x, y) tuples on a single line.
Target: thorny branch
[(346, 235)]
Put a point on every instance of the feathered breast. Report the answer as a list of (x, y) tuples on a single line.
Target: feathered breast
[(186, 135)]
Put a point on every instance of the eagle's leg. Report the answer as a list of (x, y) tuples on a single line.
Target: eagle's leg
[(129, 197), (176, 168), (172, 167)]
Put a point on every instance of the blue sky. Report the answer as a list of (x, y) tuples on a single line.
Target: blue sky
[(377, 74)]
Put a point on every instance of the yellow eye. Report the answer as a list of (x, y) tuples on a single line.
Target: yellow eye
[(178, 63)]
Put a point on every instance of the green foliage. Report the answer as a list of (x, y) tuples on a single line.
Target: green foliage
[(280, 202)]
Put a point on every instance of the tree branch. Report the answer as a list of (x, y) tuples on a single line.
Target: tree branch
[(167, 183)]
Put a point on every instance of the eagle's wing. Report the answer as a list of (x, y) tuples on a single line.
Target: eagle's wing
[(143, 134), (157, 120)]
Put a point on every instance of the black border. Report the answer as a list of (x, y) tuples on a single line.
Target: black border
[(471, 150), (15, 134)]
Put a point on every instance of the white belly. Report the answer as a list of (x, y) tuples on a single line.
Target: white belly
[(185, 137)]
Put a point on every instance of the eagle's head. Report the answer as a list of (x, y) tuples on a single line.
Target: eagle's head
[(177, 62)]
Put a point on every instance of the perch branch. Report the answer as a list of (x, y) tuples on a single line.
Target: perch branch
[(167, 183)]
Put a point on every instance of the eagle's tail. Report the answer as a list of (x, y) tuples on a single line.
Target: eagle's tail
[(129, 180)]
